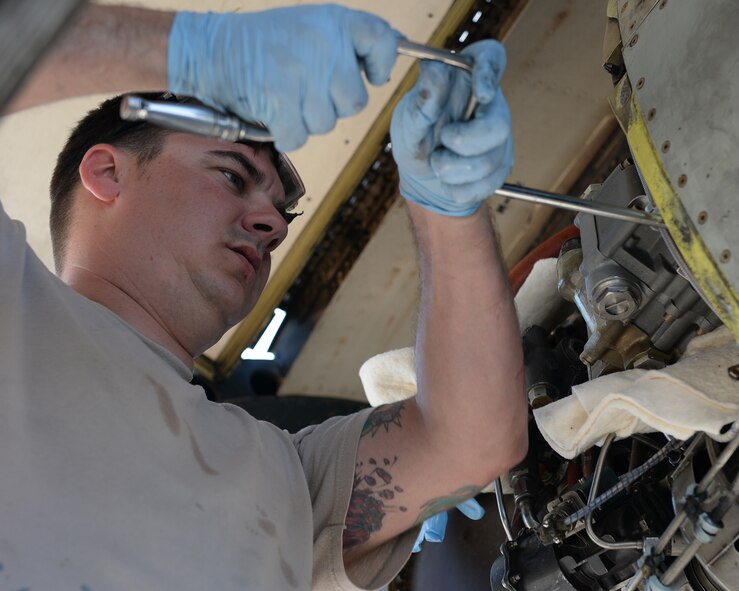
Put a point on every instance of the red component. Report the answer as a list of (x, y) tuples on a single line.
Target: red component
[(547, 249)]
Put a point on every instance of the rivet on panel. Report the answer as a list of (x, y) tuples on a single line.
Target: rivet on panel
[(662, 4), (666, 147), (682, 180), (634, 40), (725, 256), (702, 217), (651, 114), (640, 83)]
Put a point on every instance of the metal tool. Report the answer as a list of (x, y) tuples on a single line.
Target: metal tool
[(195, 119), (466, 63), (203, 120), (450, 58)]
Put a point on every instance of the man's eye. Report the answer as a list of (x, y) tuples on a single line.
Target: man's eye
[(233, 178)]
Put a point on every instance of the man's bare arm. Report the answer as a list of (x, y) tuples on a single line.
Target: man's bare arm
[(467, 424), (108, 49)]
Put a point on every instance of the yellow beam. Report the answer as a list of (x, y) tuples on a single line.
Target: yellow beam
[(714, 285)]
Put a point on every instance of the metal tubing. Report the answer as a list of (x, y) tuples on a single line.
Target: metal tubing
[(636, 545), (575, 204), (424, 52), (445, 56), (501, 509), (681, 562), (680, 518)]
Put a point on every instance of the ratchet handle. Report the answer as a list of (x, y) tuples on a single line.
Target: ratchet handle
[(457, 60), (196, 119)]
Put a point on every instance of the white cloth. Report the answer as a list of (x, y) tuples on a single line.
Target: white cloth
[(117, 474), (695, 394)]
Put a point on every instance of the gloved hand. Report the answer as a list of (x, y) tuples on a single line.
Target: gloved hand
[(433, 528), (294, 69), (447, 165)]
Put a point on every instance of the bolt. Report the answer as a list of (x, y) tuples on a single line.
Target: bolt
[(702, 217), (634, 40), (666, 147), (616, 299), (640, 83), (515, 579), (682, 181), (651, 114), (725, 256), (734, 372)]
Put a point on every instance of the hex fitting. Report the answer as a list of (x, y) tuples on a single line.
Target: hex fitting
[(615, 298)]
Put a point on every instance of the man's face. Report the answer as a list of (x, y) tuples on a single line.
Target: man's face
[(206, 216)]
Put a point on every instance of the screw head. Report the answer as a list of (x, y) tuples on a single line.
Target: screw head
[(682, 180), (651, 114), (702, 217), (734, 372), (725, 256), (666, 147), (616, 299), (640, 83), (634, 40)]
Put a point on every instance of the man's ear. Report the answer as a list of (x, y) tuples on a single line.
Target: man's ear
[(102, 171)]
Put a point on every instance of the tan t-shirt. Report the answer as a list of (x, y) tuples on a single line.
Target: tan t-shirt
[(116, 473)]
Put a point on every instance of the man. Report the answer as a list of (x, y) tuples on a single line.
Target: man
[(116, 472)]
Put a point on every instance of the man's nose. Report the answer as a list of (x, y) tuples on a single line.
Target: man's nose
[(267, 224)]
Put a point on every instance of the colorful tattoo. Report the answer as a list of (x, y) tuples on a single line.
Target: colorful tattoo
[(373, 489), (440, 504), (383, 417)]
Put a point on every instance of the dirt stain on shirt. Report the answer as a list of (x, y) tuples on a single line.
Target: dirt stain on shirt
[(204, 466), (166, 406), (267, 527), (287, 571)]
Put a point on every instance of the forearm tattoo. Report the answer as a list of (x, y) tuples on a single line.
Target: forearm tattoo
[(374, 494)]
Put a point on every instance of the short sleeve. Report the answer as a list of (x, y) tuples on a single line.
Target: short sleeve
[(328, 454), (12, 253)]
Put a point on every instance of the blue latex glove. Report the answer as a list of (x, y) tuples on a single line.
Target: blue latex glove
[(447, 165), (433, 528), (294, 69)]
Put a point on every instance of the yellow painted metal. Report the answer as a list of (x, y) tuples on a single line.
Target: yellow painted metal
[(339, 192), (205, 367), (708, 275)]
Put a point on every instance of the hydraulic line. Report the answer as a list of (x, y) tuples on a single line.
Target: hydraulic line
[(680, 518), (636, 545), (501, 509), (624, 482)]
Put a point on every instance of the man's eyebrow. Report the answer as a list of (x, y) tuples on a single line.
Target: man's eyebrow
[(256, 174)]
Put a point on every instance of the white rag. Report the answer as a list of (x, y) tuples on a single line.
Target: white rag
[(695, 394)]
